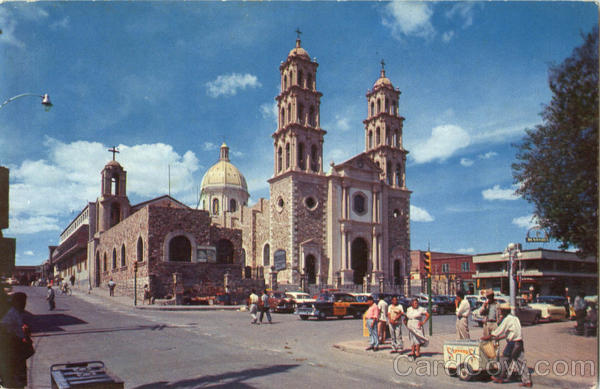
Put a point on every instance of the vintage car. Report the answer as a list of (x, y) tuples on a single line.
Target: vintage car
[(441, 305), (335, 304), (551, 307), (526, 314), (288, 302)]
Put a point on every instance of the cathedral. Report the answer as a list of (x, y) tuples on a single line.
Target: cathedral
[(344, 225)]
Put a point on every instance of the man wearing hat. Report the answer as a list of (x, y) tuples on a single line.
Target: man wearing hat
[(514, 352), (463, 309), (489, 312)]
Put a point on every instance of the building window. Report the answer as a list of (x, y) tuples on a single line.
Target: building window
[(215, 207), (389, 173), (279, 159), (301, 159), (359, 204), (377, 136), (314, 163), (370, 141), (105, 263), (114, 259), (445, 268), (123, 260), (280, 204), (309, 81), (180, 249), (465, 267), (140, 249), (310, 203), (267, 255), (287, 156), (232, 205), (300, 78), (396, 213)]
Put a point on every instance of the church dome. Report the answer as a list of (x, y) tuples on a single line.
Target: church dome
[(298, 51), (224, 173), (383, 80)]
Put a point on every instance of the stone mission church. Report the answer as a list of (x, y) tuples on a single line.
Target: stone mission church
[(345, 226)]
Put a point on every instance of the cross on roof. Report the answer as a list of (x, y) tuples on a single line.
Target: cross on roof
[(382, 64), (113, 150), (298, 32)]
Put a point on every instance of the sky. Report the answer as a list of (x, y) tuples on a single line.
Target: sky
[(168, 82)]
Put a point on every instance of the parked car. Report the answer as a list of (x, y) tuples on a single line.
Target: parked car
[(291, 301), (551, 307), (526, 314), (279, 302), (441, 305), (332, 304), (361, 297)]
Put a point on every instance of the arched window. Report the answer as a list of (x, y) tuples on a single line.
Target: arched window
[(394, 108), (279, 159), (282, 117), (378, 105), (267, 255), (224, 251), (123, 258), (285, 81), (287, 156), (289, 112), (105, 263), (180, 249), (398, 176), (300, 79), (311, 116), (232, 205), (372, 109), (377, 137), (387, 106), (314, 162), (398, 140), (140, 249), (300, 114), (215, 207), (310, 269), (389, 172), (114, 259), (301, 159), (114, 185), (359, 204), (115, 214), (370, 142), (309, 82)]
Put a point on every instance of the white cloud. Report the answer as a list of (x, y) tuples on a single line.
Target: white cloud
[(445, 140), (525, 222), (229, 84), (497, 193), (208, 146), (447, 36), (269, 111), (469, 250), (463, 11), (61, 24), (29, 252), (8, 24), (501, 134), (420, 215), (337, 155), (42, 191), (466, 162), (488, 155), (409, 19), (342, 122)]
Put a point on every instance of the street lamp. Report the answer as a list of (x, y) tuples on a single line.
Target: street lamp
[(45, 100), (512, 252)]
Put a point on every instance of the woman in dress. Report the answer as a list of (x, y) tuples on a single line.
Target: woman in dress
[(417, 317)]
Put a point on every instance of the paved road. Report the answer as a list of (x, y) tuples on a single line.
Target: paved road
[(151, 349)]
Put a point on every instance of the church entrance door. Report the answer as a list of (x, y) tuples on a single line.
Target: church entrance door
[(360, 259), (310, 271)]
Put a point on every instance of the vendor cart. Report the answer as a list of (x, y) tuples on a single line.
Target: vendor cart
[(83, 375), (471, 358)]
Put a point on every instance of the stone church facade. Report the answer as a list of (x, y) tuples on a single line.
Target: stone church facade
[(344, 227)]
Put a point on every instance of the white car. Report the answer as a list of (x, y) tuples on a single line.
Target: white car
[(299, 297), (550, 308)]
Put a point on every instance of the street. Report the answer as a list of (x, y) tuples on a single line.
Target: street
[(174, 349)]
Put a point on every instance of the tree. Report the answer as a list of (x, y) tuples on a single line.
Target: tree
[(557, 168)]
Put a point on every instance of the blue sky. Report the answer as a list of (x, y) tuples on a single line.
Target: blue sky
[(169, 82)]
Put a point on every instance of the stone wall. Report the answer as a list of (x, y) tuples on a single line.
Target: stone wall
[(398, 234), (280, 233)]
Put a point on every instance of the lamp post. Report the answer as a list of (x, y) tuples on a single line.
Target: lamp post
[(512, 252), (45, 100)]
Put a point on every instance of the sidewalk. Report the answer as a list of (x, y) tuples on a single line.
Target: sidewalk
[(551, 349), (101, 296)]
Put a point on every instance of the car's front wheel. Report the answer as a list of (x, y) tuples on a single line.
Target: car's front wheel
[(304, 317)]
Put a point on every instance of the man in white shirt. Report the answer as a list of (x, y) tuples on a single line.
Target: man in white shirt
[(253, 300), (463, 309), (514, 352), (382, 320)]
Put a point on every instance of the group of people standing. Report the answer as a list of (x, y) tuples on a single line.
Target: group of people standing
[(261, 303), (382, 316)]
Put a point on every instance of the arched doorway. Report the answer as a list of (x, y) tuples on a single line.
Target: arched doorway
[(224, 251), (397, 273), (310, 269), (180, 249), (360, 259)]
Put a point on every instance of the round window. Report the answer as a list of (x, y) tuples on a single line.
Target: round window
[(280, 203), (310, 202), (396, 213)]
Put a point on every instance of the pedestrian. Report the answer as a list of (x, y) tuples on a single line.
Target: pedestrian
[(265, 307), (147, 295), (489, 312), (416, 318), (371, 316), (514, 352), (15, 340), (382, 319), (395, 313), (463, 309), (72, 279), (580, 310), (50, 297), (253, 305), (111, 287)]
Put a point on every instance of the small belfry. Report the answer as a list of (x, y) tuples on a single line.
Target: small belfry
[(298, 140), (113, 203), (383, 131)]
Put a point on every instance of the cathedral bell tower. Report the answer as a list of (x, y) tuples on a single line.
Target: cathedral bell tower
[(383, 131), (298, 140), (113, 204)]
